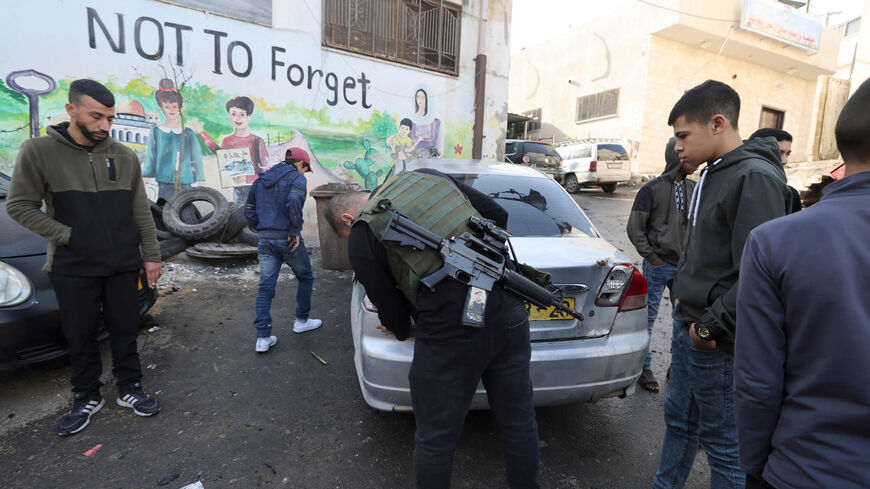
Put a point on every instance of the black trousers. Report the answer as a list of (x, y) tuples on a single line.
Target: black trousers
[(443, 378), (80, 299)]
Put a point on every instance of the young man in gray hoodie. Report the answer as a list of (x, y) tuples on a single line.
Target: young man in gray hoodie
[(800, 362), (742, 186), (657, 228)]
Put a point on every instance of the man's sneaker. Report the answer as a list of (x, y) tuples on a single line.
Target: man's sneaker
[(135, 398), (84, 406), (307, 325), (263, 344)]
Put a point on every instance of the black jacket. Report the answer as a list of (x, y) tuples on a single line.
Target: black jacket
[(743, 189), (439, 312)]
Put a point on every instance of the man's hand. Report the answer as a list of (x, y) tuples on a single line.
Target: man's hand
[(153, 271), (658, 262), (697, 342), (293, 242), (383, 329)]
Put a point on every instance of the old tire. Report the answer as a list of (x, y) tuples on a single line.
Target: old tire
[(608, 187), (210, 225), (235, 224), (571, 184), (248, 236), (172, 246), (157, 215)]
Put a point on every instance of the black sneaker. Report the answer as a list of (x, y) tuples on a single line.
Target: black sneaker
[(84, 406), (136, 399)]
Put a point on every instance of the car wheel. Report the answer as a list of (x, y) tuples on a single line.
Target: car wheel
[(210, 225), (608, 187), (571, 184)]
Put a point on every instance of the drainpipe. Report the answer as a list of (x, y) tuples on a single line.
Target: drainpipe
[(479, 83)]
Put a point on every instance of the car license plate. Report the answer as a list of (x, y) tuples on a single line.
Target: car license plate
[(614, 165), (539, 314)]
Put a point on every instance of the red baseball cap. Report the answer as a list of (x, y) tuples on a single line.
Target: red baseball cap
[(297, 154)]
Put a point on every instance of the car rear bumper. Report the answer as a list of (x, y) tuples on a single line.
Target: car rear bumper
[(562, 372)]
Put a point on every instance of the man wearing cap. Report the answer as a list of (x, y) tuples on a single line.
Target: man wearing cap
[(274, 209)]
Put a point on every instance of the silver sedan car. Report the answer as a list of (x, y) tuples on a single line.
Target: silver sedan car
[(572, 360)]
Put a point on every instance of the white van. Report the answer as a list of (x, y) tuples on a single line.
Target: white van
[(599, 164)]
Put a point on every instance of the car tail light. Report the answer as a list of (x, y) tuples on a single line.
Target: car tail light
[(370, 307), (593, 165), (624, 287)]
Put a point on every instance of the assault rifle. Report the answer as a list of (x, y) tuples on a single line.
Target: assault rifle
[(478, 261)]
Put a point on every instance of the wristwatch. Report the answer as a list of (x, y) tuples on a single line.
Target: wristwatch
[(703, 332)]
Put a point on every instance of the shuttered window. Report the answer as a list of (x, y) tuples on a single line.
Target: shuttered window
[(422, 33), (598, 105)]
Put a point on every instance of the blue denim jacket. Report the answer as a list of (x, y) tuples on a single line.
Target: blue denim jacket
[(274, 205)]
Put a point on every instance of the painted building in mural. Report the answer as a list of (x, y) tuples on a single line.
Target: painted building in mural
[(216, 99)]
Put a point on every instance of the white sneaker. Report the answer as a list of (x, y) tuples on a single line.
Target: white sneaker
[(307, 325), (263, 344)]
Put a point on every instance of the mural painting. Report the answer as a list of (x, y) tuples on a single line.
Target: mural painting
[(355, 117)]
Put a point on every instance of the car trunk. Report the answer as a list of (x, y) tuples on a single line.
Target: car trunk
[(613, 164), (580, 271)]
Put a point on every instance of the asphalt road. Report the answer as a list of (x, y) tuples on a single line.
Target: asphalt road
[(233, 418)]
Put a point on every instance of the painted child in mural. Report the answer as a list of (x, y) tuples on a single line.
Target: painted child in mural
[(401, 144), (427, 128), (239, 111), (164, 146)]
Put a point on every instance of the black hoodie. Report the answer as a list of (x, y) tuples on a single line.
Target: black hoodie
[(741, 190), (656, 225)]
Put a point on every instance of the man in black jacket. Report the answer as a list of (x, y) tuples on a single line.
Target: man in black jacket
[(742, 186), (657, 228), (783, 140), (96, 217), (449, 358)]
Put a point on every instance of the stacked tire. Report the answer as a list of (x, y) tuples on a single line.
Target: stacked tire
[(179, 222)]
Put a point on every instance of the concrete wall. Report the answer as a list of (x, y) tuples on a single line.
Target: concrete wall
[(675, 67), (653, 59)]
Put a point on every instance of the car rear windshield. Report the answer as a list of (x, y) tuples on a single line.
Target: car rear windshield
[(611, 152), (535, 206), (541, 148)]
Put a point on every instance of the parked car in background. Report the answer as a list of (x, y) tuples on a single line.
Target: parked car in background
[(535, 154), (572, 361), (593, 164), (30, 330)]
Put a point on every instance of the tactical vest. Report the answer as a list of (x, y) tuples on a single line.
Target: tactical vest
[(429, 201)]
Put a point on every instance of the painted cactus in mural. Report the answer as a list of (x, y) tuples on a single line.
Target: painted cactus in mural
[(363, 166)]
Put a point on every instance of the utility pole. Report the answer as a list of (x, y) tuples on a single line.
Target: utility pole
[(479, 84)]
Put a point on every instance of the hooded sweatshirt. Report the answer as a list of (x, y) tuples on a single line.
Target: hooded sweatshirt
[(96, 211), (274, 205), (657, 223), (735, 193)]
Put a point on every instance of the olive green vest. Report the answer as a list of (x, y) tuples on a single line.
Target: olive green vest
[(430, 201)]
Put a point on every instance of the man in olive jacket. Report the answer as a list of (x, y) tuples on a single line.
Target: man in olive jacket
[(96, 217), (742, 186), (656, 228)]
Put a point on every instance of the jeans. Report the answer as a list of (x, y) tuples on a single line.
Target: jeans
[(656, 280), (699, 410), (80, 300), (271, 254), (753, 483), (443, 378)]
